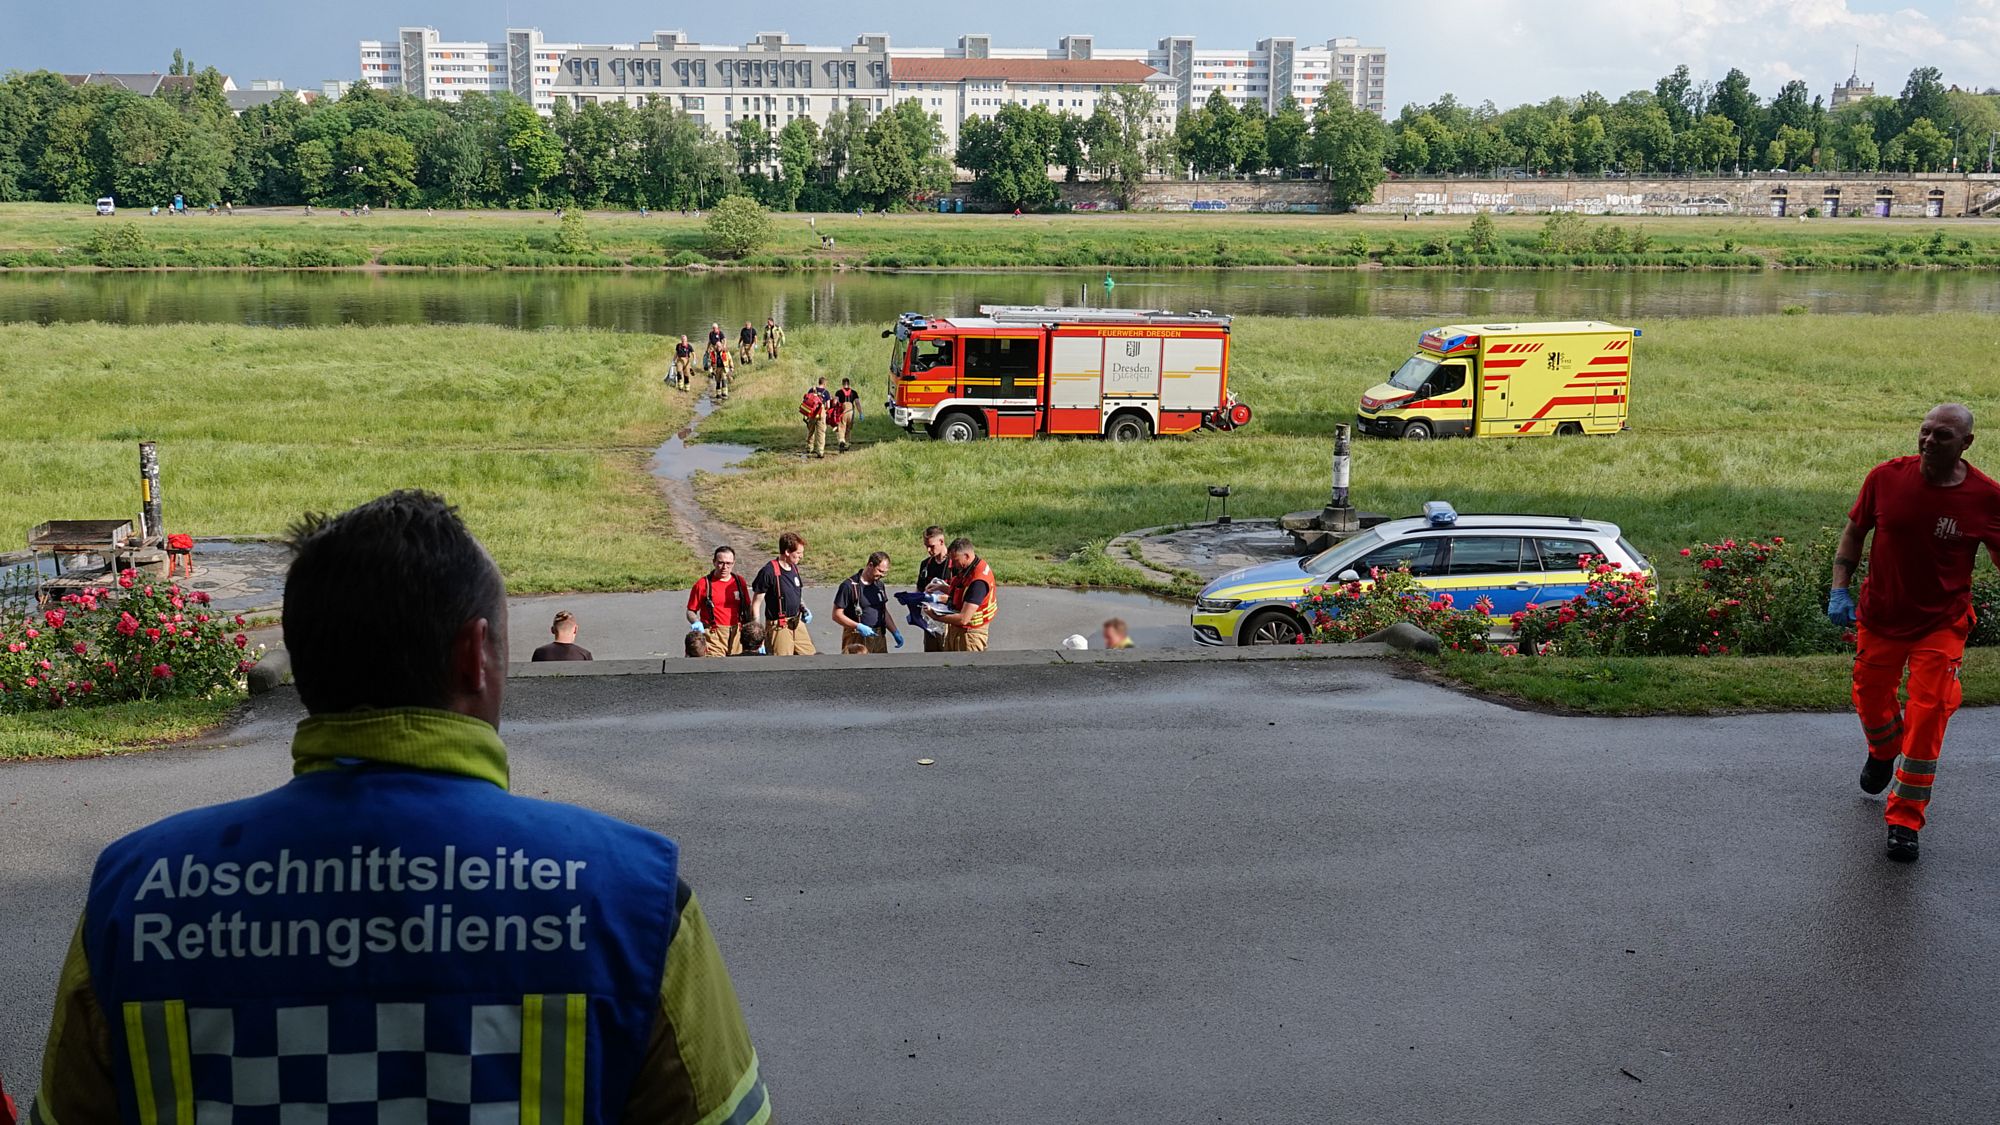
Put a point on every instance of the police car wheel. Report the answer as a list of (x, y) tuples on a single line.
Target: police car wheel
[(1417, 431), (958, 427), (1272, 627)]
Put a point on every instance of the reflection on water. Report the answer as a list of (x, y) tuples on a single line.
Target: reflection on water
[(672, 302)]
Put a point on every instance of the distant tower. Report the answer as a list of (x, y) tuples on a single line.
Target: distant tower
[(1853, 91)]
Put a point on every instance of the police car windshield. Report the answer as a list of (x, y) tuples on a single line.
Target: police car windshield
[(1412, 374), (1343, 553)]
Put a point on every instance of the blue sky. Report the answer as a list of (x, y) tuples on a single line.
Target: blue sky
[(1505, 50)]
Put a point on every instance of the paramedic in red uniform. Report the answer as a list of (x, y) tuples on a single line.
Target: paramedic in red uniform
[(1930, 514)]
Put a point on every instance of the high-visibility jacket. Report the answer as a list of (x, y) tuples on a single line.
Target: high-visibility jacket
[(961, 587), (392, 931)]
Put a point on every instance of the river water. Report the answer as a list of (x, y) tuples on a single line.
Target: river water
[(675, 302)]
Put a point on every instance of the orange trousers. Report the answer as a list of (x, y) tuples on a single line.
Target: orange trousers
[(1913, 733)]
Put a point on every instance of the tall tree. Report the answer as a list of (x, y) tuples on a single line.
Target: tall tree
[(1923, 97), (1286, 135), (1348, 146), (1675, 94)]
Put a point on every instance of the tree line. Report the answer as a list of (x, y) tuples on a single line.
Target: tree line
[(73, 143)]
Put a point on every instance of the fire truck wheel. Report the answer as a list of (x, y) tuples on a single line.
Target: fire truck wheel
[(1129, 427), (1271, 627), (1417, 431), (958, 426)]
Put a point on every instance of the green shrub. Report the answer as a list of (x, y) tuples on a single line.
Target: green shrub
[(687, 258), (1563, 233), (1482, 235), (1357, 247), (573, 235), (737, 226), (117, 239)]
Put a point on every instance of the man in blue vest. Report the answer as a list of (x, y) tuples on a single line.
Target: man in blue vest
[(391, 936)]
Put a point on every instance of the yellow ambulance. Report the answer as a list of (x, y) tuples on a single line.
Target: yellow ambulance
[(1507, 380)]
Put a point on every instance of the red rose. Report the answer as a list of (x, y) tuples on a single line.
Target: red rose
[(152, 634), (240, 622), (54, 617), (80, 648), (162, 672), (127, 625), (241, 640), (201, 597), (31, 681), (125, 580), (31, 634)]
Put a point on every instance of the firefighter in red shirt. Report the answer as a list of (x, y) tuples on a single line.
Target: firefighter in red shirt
[(972, 603), (1930, 514), (719, 606)]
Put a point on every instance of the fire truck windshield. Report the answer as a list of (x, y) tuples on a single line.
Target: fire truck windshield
[(896, 348), (1412, 374)]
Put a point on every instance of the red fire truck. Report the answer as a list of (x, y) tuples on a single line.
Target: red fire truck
[(1024, 370)]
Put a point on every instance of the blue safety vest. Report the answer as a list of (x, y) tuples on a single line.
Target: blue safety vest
[(373, 942)]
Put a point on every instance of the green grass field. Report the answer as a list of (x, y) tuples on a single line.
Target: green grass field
[(88, 731), (540, 437), (1685, 685), (1739, 426), (42, 234)]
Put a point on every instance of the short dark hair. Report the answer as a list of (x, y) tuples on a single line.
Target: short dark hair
[(878, 558), (405, 557), (959, 544), (933, 532), (716, 555), (790, 541)]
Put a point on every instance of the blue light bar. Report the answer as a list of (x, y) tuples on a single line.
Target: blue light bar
[(1439, 513)]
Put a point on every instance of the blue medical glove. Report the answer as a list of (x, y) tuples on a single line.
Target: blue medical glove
[(697, 627), (899, 639), (806, 616), (1840, 608), (864, 630)]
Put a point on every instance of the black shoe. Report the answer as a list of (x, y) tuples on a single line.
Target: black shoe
[(1876, 772), (1902, 844)]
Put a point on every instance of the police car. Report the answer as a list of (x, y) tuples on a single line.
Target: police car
[(1514, 560)]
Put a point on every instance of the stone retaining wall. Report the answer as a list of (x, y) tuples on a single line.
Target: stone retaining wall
[(1911, 196)]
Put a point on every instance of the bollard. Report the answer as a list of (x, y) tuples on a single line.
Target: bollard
[(151, 525), (1340, 466)]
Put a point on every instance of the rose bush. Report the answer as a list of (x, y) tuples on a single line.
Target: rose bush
[(1617, 614), (1751, 598), (1349, 611), (138, 642)]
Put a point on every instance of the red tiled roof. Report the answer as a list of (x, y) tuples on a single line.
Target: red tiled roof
[(1081, 71)]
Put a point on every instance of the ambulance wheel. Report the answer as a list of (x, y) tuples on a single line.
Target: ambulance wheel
[(957, 426), (1570, 429), (1417, 431), (1129, 427), (1271, 627)]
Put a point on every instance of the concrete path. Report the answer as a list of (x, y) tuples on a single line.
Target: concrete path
[(634, 626), (1188, 892)]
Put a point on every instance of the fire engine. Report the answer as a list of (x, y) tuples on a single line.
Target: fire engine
[(1023, 370)]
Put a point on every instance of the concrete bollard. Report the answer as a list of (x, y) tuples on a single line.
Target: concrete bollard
[(1407, 638), (274, 669)]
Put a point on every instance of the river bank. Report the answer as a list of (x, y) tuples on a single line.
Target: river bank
[(59, 236)]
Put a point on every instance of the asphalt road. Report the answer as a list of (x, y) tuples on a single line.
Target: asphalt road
[(1229, 892)]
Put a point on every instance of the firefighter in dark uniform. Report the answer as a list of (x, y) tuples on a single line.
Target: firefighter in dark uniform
[(935, 568)]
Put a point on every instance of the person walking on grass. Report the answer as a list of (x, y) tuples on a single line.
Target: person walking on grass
[(814, 409), (307, 926), (719, 605), (773, 336), (564, 647), (1929, 515), (846, 411), (717, 342), (746, 341), (861, 608), (780, 600), (683, 364)]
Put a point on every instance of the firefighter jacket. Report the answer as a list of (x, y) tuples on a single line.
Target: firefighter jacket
[(392, 934), (961, 588)]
